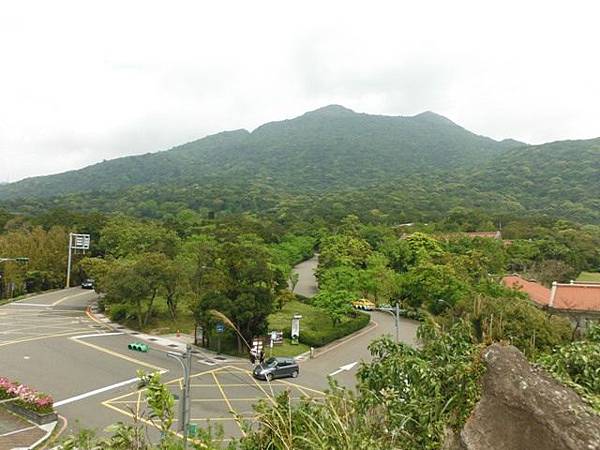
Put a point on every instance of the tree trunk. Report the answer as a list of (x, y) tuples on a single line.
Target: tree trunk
[(138, 305), (149, 311), (172, 305)]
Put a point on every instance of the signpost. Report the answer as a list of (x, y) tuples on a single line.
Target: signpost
[(76, 242), (220, 329), (185, 360), (296, 328)]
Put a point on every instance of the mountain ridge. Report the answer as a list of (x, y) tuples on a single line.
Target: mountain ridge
[(426, 162), (318, 133)]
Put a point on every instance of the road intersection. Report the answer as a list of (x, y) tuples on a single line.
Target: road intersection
[(52, 343)]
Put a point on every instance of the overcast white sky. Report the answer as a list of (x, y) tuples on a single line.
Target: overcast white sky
[(85, 81)]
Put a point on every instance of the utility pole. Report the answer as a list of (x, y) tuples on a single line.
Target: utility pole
[(68, 284), (185, 360)]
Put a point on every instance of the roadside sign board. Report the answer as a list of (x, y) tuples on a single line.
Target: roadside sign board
[(257, 345), (220, 328), (80, 241), (276, 337)]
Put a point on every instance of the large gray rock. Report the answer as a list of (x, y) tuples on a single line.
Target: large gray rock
[(524, 408)]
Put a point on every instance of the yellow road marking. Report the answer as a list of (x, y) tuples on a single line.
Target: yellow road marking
[(137, 405), (129, 414), (231, 410), (270, 397), (48, 336), (210, 419), (23, 330), (122, 400), (302, 388), (59, 301), (91, 316), (243, 399), (119, 355)]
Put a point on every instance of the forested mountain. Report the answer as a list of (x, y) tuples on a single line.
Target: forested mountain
[(332, 161), (327, 148), (562, 177)]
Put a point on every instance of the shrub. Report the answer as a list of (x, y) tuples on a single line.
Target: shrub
[(318, 338), (578, 365), (119, 312)]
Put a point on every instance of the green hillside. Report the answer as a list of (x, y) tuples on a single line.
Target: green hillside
[(332, 161), (331, 147), (559, 178)]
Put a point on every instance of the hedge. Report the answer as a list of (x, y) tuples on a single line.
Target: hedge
[(319, 338)]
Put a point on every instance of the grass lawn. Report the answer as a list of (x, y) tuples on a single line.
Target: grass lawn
[(287, 349), (313, 321), (312, 318), (589, 276)]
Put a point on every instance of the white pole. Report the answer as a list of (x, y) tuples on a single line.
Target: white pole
[(69, 261)]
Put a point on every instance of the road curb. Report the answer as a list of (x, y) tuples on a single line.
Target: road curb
[(160, 341), (49, 429), (335, 344)]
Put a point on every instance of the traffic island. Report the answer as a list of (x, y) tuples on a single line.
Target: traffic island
[(16, 432), (33, 416)]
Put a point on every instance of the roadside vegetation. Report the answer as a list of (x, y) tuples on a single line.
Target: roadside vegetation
[(170, 273), (406, 398)]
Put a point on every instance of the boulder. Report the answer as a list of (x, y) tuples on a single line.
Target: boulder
[(522, 407)]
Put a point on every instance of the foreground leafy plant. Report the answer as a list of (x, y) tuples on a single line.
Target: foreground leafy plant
[(578, 365), (406, 398)]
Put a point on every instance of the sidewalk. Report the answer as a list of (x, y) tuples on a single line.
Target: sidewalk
[(18, 433), (170, 342)]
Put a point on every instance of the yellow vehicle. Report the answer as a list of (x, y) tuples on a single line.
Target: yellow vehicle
[(364, 304)]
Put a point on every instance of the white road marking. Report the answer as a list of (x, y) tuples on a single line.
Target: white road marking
[(346, 368), (95, 392), (84, 336), (29, 304), (17, 431)]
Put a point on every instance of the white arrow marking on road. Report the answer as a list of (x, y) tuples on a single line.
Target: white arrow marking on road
[(347, 367)]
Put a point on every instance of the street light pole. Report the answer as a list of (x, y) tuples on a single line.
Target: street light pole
[(395, 312), (397, 321), (184, 416)]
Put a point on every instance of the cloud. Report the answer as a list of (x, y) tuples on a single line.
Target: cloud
[(85, 82)]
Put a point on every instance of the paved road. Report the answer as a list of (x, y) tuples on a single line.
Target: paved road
[(355, 350), (49, 342), (351, 352), (307, 283)]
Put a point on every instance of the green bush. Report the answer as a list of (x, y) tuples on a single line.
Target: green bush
[(119, 312), (413, 314), (318, 338)]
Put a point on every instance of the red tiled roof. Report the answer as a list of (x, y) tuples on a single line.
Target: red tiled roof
[(577, 296), (537, 292), (573, 296)]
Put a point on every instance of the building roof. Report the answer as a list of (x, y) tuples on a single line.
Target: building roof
[(574, 296), (538, 293)]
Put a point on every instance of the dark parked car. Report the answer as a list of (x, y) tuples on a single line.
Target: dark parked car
[(88, 284), (277, 368)]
